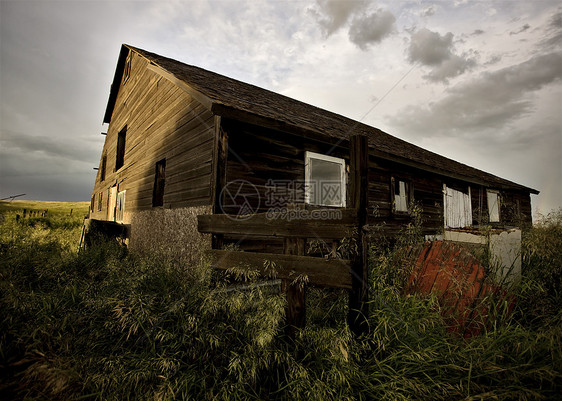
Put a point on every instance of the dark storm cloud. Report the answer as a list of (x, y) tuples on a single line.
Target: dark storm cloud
[(371, 28), (493, 100), (59, 148)]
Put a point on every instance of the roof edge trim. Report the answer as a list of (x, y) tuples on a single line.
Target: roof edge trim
[(117, 77)]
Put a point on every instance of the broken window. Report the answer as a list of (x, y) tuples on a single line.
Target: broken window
[(457, 207), (120, 157), (93, 203), (103, 165), (400, 192), (120, 207), (324, 180), (159, 182), (493, 206)]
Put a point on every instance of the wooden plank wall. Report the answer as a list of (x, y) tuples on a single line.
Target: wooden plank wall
[(162, 121), (427, 193), (258, 154)]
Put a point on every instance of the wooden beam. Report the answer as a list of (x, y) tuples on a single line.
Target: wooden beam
[(295, 292), (359, 294), (280, 225), (323, 272)]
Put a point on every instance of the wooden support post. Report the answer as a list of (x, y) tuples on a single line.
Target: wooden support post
[(359, 294), (219, 173), (296, 294)]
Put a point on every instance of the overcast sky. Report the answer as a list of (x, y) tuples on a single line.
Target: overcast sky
[(476, 81)]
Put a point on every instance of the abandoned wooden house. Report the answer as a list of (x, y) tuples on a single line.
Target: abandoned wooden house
[(194, 160)]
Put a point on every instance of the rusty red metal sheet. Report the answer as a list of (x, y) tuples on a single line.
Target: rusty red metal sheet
[(458, 279)]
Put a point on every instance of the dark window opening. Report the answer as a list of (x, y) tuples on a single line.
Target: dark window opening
[(159, 182), (120, 158), (100, 201), (103, 165), (93, 203)]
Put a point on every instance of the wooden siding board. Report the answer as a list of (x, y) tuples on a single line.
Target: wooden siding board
[(162, 121)]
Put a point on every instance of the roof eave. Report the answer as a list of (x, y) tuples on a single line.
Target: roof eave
[(116, 83)]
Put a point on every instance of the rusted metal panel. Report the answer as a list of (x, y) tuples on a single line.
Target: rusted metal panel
[(450, 272)]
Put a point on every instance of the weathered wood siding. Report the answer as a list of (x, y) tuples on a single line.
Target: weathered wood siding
[(427, 193), (258, 154), (161, 121)]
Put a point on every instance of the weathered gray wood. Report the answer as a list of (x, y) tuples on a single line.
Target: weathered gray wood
[(275, 225), (323, 272)]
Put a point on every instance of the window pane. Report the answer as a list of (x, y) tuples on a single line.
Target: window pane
[(325, 183), (400, 199)]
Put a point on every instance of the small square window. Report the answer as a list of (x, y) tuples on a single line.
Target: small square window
[(324, 180), (159, 183), (120, 156), (493, 206)]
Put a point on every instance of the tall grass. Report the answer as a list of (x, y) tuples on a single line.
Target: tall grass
[(105, 324)]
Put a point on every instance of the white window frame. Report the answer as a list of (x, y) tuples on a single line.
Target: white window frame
[(308, 177), (457, 208), (120, 207), (493, 207)]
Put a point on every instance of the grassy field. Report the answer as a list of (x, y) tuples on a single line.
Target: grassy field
[(106, 324)]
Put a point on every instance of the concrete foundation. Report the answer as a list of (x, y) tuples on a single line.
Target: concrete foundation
[(501, 248), (169, 233)]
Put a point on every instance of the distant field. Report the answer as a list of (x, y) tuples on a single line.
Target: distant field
[(52, 207)]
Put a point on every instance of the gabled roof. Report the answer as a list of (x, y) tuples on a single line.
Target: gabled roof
[(221, 94)]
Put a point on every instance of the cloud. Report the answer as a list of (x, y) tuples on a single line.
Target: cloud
[(521, 30), (432, 49), (428, 11), (369, 29), (553, 32), (451, 67), (333, 14), (493, 100), (57, 148)]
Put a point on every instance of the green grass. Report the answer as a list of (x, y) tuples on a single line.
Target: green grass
[(105, 324)]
